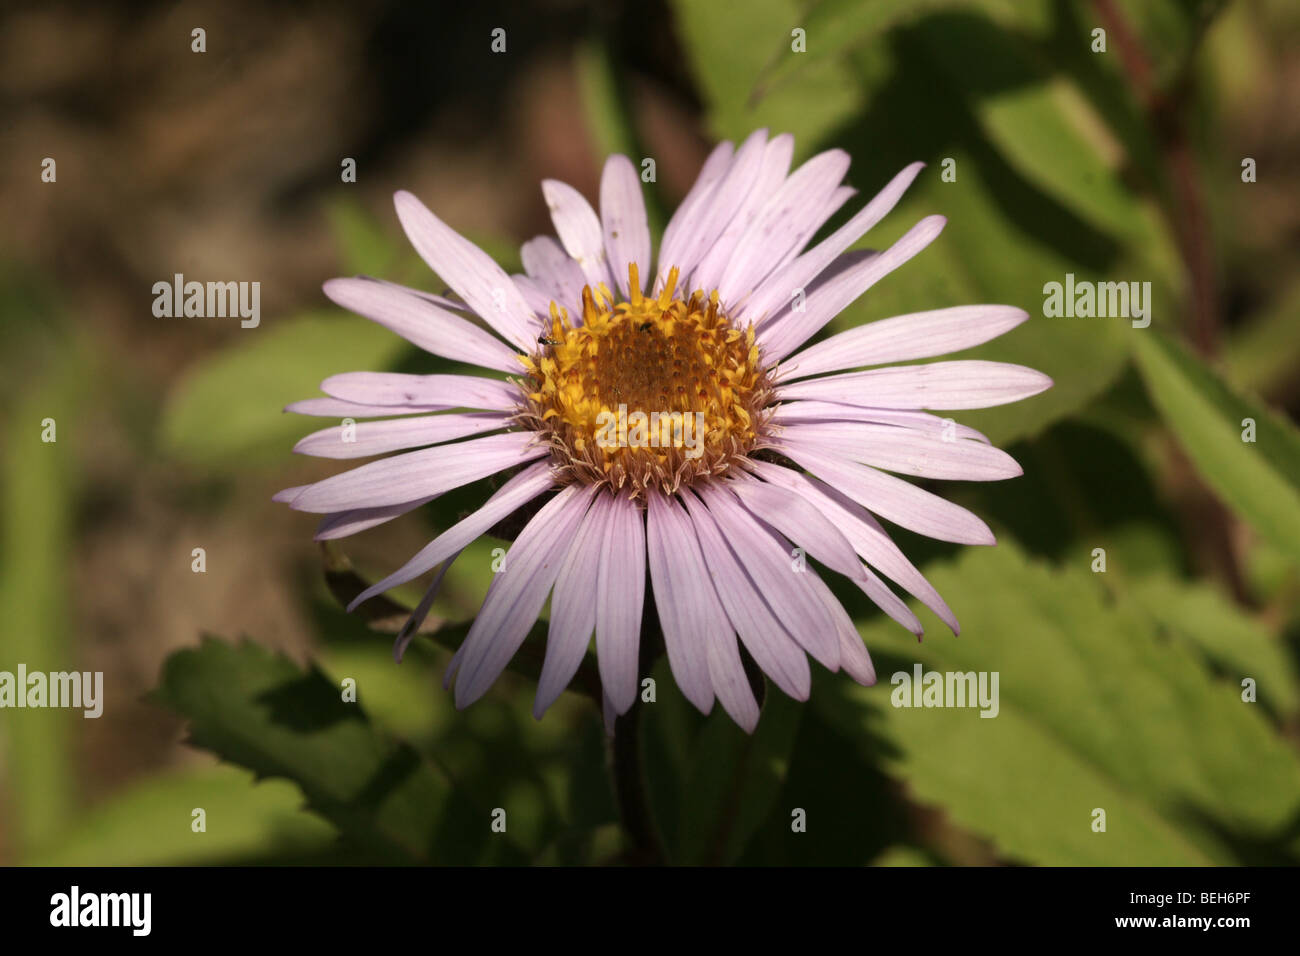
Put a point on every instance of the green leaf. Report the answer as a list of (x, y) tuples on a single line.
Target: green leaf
[(974, 82), (730, 52), (1039, 123), (603, 100), (150, 823), (983, 256), (345, 583), (837, 26), (229, 409), (608, 109), (902, 856), (1010, 227), (732, 781), (1084, 487), (1265, 354), (260, 711), (1096, 710), (1259, 480), (1236, 644)]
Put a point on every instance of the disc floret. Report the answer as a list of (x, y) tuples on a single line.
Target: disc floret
[(651, 391)]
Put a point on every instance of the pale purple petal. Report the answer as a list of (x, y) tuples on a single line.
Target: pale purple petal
[(546, 262), (866, 535), (286, 495), (968, 383), (717, 208), (337, 408), (757, 194), (903, 338), (620, 594), (812, 530), (772, 647), (790, 214), (891, 603), (892, 498), (854, 659), (825, 209), (776, 291), (770, 265), (573, 612), (623, 219), (687, 605), (441, 301), (730, 682), (822, 211), (536, 294), (578, 227), (839, 197), (907, 452), (609, 714), (470, 272), (378, 438), (452, 666), (418, 474), (517, 593), (441, 391), (514, 494), (682, 227), (704, 618), (801, 522), (422, 323), (784, 334), (818, 537), (840, 265), (346, 523), (768, 560), (407, 633), (809, 411)]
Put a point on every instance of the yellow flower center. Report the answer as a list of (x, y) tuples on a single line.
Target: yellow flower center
[(650, 391)]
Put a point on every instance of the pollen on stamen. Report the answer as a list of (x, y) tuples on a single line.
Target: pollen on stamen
[(646, 392)]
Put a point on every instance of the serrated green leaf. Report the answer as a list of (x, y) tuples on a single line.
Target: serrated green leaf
[(151, 823), (1259, 480), (260, 711), (345, 584), (1096, 710)]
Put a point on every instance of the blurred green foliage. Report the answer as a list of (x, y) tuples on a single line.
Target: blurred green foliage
[(1119, 690)]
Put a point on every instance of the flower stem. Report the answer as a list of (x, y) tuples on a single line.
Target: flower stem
[(625, 754), (1188, 213), (630, 789)]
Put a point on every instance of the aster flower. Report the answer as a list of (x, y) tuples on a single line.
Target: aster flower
[(798, 447)]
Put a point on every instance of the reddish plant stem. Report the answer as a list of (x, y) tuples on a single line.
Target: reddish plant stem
[(1188, 215)]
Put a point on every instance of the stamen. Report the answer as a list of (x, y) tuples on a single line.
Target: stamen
[(646, 392)]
